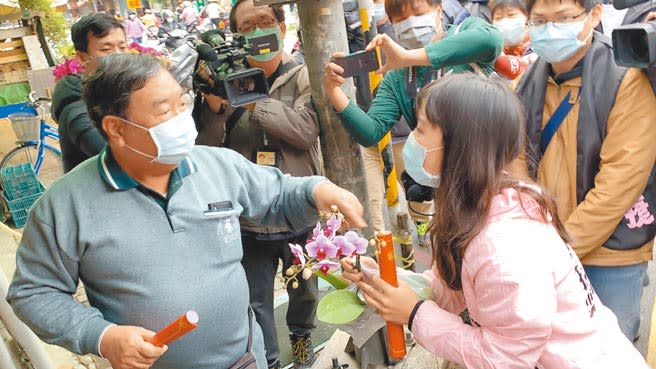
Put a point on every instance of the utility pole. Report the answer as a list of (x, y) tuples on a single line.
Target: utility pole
[(324, 32)]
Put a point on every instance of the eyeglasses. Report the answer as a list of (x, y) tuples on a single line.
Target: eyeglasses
[(556, 22), (263, 22)]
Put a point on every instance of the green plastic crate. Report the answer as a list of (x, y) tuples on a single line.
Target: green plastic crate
[(20, 207), (19, 181)]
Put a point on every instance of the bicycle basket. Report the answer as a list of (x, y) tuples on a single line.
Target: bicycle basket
[(26, 126)]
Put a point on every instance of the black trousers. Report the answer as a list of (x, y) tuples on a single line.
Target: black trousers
[(261, 258)]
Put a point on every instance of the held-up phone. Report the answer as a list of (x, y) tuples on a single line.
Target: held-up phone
[(359, 63)]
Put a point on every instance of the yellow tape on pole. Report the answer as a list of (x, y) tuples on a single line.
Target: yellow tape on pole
[(385, 145)]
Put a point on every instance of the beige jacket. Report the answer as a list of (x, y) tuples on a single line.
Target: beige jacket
[(628, 154)]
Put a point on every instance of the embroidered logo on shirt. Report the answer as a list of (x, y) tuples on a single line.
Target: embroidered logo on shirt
[(638, 215), (228, 229)]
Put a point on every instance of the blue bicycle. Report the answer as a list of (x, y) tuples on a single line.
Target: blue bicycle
[(32, 131)]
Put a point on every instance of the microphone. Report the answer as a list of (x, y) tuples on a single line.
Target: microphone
[(510, 66), (205, 52), (623, 4)]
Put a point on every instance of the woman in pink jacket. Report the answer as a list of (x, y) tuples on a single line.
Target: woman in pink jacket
[(499, 249)]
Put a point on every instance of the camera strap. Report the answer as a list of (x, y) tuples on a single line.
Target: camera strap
[(232, 122)]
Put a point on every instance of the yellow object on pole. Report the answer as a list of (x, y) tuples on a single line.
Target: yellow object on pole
[(385, 145), (389, 170), (399, 220), (134, 4)]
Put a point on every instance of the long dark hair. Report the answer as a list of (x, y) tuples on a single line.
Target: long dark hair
[(483, 126)]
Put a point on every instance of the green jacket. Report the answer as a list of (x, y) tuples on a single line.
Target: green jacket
[(475, 41)]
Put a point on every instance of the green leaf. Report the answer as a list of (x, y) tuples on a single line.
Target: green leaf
[(337, 282), (339, 307)]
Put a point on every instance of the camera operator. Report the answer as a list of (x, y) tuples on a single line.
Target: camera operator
[(595, 154), (280, 131)]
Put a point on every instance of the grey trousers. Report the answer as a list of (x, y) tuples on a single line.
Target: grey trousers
[(260, 261)]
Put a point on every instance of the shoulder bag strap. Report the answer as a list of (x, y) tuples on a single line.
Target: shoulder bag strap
[(555, 121)]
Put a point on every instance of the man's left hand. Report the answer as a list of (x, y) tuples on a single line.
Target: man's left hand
[(394, 304), (327, 194)]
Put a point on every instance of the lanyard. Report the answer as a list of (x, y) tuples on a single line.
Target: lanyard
[(412, 88)]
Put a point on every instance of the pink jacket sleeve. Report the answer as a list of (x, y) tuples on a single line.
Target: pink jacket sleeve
[(510, 293), (448, 299)]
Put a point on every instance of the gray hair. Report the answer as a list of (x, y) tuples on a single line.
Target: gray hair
[(108, 89)]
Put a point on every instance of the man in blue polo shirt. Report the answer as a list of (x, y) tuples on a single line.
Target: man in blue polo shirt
[(151, 227)]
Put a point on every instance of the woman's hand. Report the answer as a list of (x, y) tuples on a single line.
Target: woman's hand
[(394, 304), (332, 83), (353, 275), (396, 56)]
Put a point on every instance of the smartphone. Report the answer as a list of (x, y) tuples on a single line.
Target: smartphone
[(359, 63)]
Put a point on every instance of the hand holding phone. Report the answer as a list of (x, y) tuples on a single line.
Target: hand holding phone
[(359, 63)]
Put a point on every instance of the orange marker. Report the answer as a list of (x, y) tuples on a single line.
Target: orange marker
[(178, 328), (387, 264)]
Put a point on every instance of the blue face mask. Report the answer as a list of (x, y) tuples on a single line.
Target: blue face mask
[(557, 42), (512, 30), (414, 156)]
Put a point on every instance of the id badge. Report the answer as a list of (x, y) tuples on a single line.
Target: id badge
[(267, 157)]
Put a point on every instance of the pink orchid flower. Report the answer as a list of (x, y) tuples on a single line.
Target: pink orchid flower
[(321, 248), (324, 266), (360, 243), (344, 246), (332, 226), (315, 232), (297, 251)]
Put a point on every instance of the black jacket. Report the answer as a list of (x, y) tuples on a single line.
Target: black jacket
[(78, 136)]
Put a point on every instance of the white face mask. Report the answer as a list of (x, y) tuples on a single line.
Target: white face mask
[(174, 139), (416, 31), (513, 30)]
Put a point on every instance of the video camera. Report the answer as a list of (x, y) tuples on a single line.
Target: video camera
[(634, 45), (222, 68)]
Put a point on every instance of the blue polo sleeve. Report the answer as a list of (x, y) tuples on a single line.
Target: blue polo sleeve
[(274, 199), (42, 288)]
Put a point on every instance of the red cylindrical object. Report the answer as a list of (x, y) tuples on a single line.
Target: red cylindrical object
[(387, 265), (178, 328)]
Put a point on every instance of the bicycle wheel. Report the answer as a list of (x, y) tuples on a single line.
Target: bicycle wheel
[(52, 166)]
